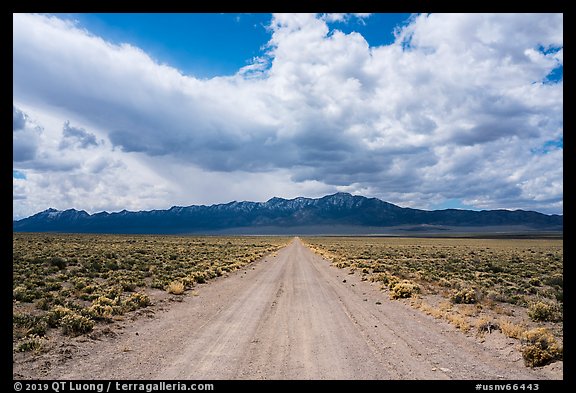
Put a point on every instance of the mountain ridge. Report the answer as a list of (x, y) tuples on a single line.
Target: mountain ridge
[(339, 209)]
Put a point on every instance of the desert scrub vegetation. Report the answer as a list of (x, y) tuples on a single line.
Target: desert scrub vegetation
[(71, 282), (545, 311), (481, 280), (464, 296), (403, 289), (539, 347)]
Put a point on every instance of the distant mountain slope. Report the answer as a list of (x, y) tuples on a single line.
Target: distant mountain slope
[(340, 209)]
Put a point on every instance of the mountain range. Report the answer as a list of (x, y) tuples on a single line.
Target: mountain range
[(337, 213)]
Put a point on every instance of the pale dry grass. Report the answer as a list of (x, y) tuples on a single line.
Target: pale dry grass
[(498, 308), (435, 312), (511, 329), (470, 310), (176, 288), (485, 325), (459, 321), (445, 306)]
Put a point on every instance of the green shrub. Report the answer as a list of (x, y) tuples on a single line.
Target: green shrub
[(128, 286), (188, 282), (555, 280), (90, 288), (30, 324), (60, 263), (535, 281), (111, 265), (200, 277), (80, 283), (136, 301), (31, 343), (540, 348), (464, 296), (380, 277), (74, 324), (54, 316), (43, 304), (106, 301), (113, 292), (159, 283), (559, 295), (23, 294), (542, 311), (52, 286), (392, 281)]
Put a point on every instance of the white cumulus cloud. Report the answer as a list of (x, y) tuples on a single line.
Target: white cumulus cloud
[(457, 107)]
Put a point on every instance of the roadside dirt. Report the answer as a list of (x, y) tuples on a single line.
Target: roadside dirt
[(288, 316)]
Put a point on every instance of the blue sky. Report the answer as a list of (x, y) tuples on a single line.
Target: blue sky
[(147, 111), (214, 44)]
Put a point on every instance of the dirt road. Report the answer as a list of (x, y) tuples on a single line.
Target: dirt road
[(289, 316)]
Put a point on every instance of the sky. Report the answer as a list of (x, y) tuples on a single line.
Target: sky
[(150, 111)]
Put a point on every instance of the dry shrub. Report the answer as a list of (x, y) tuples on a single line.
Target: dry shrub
[(486, 325), (404, 289), (176, 288), (540, 347)]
